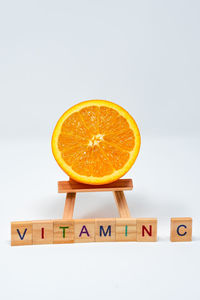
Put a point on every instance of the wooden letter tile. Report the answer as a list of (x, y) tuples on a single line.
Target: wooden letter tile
[(126, 229), (21, 233), (42, 232), (146, 230), (63, 231), (84, 230), (105, 230), (181, 229)]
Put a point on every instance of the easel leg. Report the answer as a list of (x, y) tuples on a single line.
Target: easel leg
[(122, 204), (69, 206)]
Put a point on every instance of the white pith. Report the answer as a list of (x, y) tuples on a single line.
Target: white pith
[(96, 139)]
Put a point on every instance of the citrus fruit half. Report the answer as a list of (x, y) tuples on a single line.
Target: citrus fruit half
[(96, 142)]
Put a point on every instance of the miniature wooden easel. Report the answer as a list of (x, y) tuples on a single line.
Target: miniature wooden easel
[(118, 187)]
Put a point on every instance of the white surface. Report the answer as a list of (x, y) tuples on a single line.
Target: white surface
[(165, 185), (143, 55)]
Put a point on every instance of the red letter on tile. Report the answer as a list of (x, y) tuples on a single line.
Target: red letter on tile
[(149, 232)]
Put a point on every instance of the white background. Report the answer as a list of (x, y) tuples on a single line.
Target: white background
[(143, 55)]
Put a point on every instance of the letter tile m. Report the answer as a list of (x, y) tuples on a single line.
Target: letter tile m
[(105, 230)]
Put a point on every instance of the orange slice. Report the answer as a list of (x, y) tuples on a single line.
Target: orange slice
[(96, 142)]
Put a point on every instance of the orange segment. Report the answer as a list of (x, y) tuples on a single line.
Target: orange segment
[(90, 116), (124, 140), (74, 125), (66, 141), (100, 165), (117, 157), (111, 122), (96, 142)]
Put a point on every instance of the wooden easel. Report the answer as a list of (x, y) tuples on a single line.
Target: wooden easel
[(118, 187)]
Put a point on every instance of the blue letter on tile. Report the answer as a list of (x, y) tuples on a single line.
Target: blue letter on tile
[(178, 232), (21, 237)]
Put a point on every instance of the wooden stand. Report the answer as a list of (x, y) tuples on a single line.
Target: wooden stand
[(118, 187), (69, 230)]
